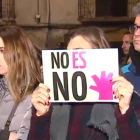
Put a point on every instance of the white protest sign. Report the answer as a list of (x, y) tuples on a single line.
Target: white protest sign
[(80, 75)]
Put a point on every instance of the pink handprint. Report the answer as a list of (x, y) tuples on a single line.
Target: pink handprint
[(103, 86)]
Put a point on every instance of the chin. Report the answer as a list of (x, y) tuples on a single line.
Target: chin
[(3, 73), (125, 53), (137, 47)]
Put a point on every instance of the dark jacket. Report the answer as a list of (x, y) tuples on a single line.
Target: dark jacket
[(61, 123), (128, 125)]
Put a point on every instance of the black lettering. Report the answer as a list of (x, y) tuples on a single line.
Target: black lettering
[(56, 60), (57, 83), (74, 86), (62, 60)]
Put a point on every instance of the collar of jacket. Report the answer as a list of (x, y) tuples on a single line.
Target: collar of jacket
[(3, 84)]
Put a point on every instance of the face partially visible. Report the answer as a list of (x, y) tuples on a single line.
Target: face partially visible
[(79, 42), (127, 39), (3, 64), (41, 69), (136, 39)]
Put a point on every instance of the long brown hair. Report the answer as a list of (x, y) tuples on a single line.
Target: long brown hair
[(94, 35), (21, 57)]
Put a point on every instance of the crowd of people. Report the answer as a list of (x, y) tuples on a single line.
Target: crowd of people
[(25, 109)]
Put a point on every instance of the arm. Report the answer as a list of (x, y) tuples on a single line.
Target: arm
[(127, 124), (129, 104), (40, 126), (25, 124), (41, 114)]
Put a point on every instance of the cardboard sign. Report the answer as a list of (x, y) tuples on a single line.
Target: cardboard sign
[(80, 75)]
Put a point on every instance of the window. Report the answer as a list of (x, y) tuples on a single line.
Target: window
[(7, 10), (115, 8), (93, 9)]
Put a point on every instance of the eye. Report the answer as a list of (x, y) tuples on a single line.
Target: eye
[(1, 50), (135, 27)]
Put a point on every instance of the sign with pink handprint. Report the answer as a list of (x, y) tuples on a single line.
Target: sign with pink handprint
[(80, 75)]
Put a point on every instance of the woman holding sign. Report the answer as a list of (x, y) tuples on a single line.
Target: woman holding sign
[(129, 123), (21, 76), (79, 121)]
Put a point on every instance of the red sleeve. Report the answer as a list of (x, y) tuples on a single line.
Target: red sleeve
[(40, 126), (127, 124)]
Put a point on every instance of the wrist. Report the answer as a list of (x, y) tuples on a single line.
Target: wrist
[(38, 114), (123, 110)]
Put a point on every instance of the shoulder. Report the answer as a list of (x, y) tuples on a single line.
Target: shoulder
[(125, 68), (26, 102)]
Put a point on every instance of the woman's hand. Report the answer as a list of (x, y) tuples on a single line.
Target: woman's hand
[(40, 100), (123, 90)]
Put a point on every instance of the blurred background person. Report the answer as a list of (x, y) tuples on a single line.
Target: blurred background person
[(127, 41)]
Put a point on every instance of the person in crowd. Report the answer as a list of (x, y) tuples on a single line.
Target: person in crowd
[(127, 41), (132, 71), (20, 75), (60, 46), (79, 121), (130, 121)]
